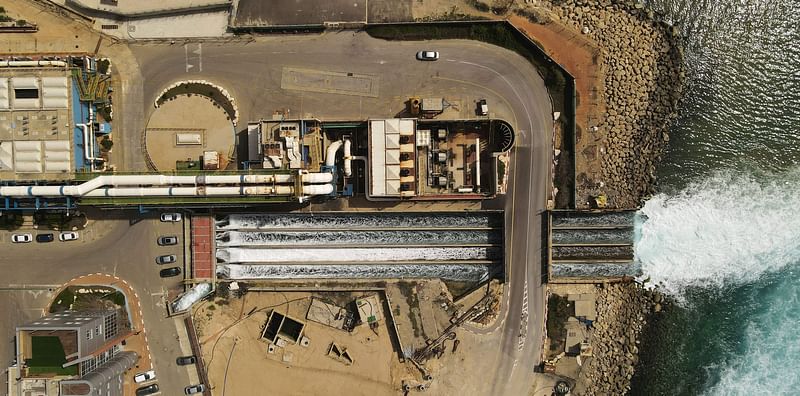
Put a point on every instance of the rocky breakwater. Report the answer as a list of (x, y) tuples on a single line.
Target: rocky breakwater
[(622, 311), (642, 74)]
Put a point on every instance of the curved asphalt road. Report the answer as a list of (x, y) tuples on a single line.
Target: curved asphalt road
[(251, 71)]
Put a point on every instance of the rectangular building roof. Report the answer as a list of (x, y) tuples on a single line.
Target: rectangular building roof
[(384, 155)]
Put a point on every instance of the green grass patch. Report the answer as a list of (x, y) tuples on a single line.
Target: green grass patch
[(48, 356), (104, 298)]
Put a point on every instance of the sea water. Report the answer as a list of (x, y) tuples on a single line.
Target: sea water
[(728, 250), (723, 236)]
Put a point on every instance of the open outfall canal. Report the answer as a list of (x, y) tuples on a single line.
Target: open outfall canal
[(455, 246)]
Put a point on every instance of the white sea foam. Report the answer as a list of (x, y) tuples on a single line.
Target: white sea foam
[(727, 228)]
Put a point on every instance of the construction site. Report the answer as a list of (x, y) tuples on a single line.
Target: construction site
[(378, 339)]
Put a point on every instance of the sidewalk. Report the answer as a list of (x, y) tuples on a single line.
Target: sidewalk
[(137, 340)]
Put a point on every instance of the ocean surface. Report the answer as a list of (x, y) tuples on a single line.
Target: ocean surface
[(723, 235)]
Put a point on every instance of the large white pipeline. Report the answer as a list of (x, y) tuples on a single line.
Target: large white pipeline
[(348, 170), (312, 189), (314, 178), (155, 180), (32, 63), (330, 156)]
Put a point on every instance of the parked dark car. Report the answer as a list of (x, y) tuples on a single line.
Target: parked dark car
[(147, 390), (168, 240), (45, 238), (169, 272), (186, 360), (166, 259)]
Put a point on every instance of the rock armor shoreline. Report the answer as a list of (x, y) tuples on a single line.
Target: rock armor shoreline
[(638, 84), (642, 78), (622, 313)]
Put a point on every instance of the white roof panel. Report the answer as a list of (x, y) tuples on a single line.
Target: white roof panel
[(56, 166), (377, 158), (54, 92), (55, 103), (392, 125), (57, 145), (56, 155), (4, 102), (26, 104), (27, 145), (6, 157), (392, 141), (393, 172), (24, 83), (393, 187), (54, 82), (406, 127), (392, 157), (23, 156), (378, 126), (28, 167)]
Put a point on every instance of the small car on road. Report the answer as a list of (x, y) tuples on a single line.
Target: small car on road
[(186, 360), (170, 217), (192, 389), (144, 377), (427, 55), (21, 238), (147, 390), (167, 240), (166, 259), (169, 272), (68, 236), (45, 238)]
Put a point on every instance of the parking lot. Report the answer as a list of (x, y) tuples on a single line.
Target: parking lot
[(116, 246)]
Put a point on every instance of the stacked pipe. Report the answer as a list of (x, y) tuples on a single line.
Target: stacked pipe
[(163, 185)]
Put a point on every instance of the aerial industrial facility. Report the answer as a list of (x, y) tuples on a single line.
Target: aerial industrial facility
[(52, 152)]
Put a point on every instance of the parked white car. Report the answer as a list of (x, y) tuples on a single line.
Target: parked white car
[(21, 238), (144, 377), (170, 217), (68, 236), (427, 55)]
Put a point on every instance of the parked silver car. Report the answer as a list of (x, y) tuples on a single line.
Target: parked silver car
[(166, 259), (21, 238), (427, 55)]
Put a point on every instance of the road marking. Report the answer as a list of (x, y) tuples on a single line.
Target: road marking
[(513, 115), (192, 56)]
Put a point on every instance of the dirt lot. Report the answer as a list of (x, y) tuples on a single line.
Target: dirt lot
[(233, 345)]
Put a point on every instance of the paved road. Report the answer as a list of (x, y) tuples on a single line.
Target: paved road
[(117, 248), (467, 71)]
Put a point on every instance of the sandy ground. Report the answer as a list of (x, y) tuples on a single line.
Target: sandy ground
[(187, 115), (293, 370)]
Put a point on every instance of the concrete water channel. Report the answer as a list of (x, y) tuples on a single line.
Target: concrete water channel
[(455, 246)]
